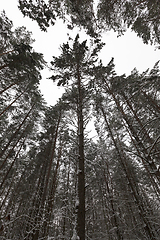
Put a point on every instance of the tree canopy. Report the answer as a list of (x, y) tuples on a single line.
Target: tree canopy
[(57, 181), (95, 16)]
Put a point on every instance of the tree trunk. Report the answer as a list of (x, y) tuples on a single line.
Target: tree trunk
[(132, 184), (3, 66), (148, 159), (35, 235), (15, 133), (51, 198), (12, 102), (152, 101), (4, 53), (10, 151), (113, 217), (7, 88), (12, 164), (81, 174)]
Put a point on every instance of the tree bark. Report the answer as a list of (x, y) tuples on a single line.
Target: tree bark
[(81, 174)]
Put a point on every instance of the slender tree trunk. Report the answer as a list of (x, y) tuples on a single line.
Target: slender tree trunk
[(113, 212), (36, 205), (137, 118), (4, 53), (2, 91), (109, 219), (4, 161), (51, 197), (35, 235), (15, 133), (133, 185), (151, 177), (12, 164), (13, 198), (8, 192), (149, 160), (149, 140), (152, 101), (3, 66), (51, 159), (81, 174), (12, 102)]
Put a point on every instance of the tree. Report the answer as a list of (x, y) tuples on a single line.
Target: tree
[(75, 64), (21, 109), (56, 182), (141, 16), (72, 12), (111, 104)]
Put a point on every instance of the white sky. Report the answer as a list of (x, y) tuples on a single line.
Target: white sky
[(128, 50)]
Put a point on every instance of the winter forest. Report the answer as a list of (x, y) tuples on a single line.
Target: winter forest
[(56, 181)]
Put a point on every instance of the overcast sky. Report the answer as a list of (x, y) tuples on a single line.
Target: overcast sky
[(128, 50)]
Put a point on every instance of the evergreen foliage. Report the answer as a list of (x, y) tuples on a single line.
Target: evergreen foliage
[(140, 16), (57, 182)]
